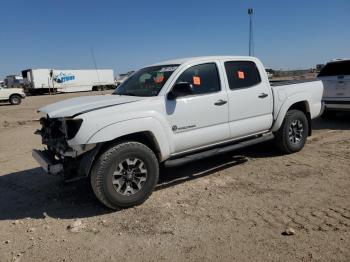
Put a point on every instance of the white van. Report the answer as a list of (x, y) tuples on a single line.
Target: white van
[(335, 76)]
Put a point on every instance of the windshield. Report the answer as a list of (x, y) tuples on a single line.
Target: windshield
[(146, 82)]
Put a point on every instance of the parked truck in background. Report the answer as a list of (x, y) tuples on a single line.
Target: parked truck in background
[(172, 112), (335, 76), (12, 95), (38, 81)]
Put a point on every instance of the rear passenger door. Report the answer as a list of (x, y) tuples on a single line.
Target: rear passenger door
[(250, 99), (200, 119)]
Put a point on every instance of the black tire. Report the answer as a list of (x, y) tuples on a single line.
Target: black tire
[(284, 138), (329, 114), (15, 99), (107, 164)]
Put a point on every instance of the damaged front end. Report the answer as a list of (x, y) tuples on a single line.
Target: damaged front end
[(60, 158)]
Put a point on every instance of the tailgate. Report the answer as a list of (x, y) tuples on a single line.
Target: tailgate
[(336, 87)]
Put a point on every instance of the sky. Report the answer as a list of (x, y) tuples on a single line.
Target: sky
[(126, 35)]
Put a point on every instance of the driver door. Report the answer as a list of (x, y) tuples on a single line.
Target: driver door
[(200, 119)]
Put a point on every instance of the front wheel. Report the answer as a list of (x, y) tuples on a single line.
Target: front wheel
[(292, 135), (15, 100), (125, 175)]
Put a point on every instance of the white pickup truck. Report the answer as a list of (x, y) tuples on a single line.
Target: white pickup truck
[(12, 95), (172, 112)]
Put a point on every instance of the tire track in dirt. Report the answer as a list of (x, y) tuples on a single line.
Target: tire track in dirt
[(308, 219)]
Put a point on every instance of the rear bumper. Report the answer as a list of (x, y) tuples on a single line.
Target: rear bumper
[(337, 105), (47, 163)]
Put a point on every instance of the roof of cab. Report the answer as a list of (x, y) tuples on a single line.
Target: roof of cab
[(180, 61), (339, 60)]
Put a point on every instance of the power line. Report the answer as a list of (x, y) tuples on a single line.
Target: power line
[(95, 64)]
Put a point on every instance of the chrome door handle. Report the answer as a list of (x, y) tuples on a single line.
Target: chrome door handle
[(263, 95), (220, 102)]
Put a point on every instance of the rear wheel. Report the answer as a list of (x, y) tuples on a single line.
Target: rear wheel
[(15, 99), (125, 175), (292, 135)]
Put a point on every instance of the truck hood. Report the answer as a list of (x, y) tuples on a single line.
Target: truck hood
[(80, 105)]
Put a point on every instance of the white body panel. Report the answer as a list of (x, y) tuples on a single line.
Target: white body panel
[(198, 122), (194, 127), (287, 95), (5, 93), (68, 80)]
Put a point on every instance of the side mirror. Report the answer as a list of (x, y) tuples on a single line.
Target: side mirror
[(180, 89)]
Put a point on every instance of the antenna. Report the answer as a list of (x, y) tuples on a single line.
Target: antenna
[(94, 61), (251, 43)]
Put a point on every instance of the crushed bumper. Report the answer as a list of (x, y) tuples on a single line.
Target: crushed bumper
[(47, 162)]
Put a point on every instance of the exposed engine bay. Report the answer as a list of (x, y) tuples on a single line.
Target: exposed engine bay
[(70, 161)]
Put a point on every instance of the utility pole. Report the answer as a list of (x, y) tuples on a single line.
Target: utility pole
[(251, 47)]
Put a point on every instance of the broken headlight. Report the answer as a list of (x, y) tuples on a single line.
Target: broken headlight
[(72, 127)]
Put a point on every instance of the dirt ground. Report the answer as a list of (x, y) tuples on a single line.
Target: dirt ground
[(227, 208)]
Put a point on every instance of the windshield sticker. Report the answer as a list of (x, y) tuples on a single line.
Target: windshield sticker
[(159, 79), (240, 74), (197, 80), (168, 69)]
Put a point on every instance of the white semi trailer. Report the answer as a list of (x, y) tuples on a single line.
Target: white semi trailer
[(38, 81)]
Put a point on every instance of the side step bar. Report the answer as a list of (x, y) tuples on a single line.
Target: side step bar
[(217, 151)]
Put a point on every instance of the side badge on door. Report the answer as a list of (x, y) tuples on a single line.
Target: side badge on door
[(175, 128)]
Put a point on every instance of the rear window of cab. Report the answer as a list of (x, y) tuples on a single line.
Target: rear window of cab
[(339, 68)]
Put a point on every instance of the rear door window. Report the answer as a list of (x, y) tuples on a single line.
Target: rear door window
[(242, 74)]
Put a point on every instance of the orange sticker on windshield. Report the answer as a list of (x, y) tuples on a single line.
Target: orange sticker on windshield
[(159, 79), (240, 74), (197, 80)]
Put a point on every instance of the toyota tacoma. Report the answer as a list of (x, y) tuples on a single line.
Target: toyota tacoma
[(171, 113)]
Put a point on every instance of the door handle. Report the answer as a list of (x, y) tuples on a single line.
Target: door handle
[(263, 95), (220, 102)]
